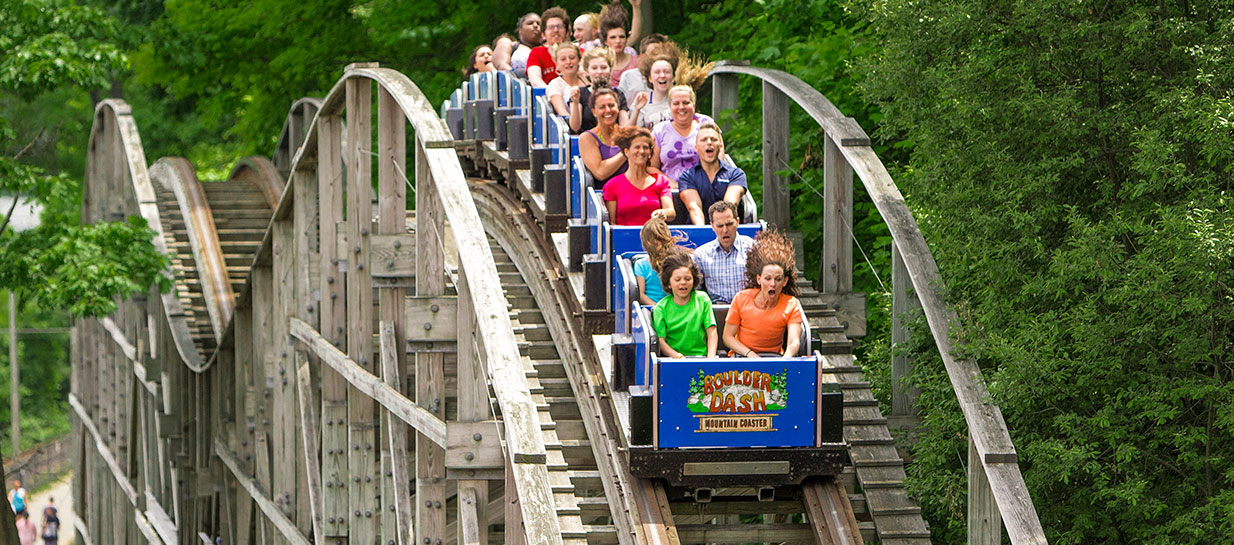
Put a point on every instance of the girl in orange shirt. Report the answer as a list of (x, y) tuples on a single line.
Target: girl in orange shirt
[(762, 313)]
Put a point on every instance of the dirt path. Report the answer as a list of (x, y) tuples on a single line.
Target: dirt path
[(62, 492)]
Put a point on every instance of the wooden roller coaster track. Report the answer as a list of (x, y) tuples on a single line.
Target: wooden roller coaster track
[(332, 368)]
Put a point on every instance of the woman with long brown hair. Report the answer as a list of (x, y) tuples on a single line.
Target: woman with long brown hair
[(766, 317)]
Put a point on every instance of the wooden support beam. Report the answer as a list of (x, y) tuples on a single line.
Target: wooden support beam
[(723, 97), (364, 465), (473, 400), (430, 367), (286, 528), (775, 157), (836, 267), (396, 436), (331, 313), (984, 525), (309, 427), (422, 420), (904, 306)]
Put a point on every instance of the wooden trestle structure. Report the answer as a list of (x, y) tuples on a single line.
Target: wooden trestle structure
[(331, 368)]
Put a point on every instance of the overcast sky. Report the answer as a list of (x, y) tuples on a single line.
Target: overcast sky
[(25, 216)]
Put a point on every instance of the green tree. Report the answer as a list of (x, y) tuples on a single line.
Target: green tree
[(1071, 168)]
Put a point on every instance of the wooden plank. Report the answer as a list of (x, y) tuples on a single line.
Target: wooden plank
[(283, 433), (432, 318), (904, 306), (473, 406), (984, 525), (397, 437), (393, 255), (430, 373), (284, 525), (309, 429), (363, 465), (421, 419), (775, 156), (723, 97), (836, 267), (332, 316), (118, 474)]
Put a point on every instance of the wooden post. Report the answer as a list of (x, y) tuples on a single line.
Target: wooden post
[(14, 392), (473, 407), (331, 313), (723, 97), (364, 476), (837, 263), (392, 220), (430, 382), (904, 303), (775, 157), (985, 525)]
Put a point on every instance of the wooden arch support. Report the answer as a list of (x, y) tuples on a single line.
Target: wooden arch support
[(116, 165), (848, 147), (176, 174), (260, 173)]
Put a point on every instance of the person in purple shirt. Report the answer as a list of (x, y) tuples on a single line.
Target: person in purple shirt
[(711, 180)]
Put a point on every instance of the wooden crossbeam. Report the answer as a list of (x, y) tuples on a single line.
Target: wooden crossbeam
[(422, 420), (285, 526)]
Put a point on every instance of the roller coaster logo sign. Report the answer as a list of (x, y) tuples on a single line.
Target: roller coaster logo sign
[(726, 399)]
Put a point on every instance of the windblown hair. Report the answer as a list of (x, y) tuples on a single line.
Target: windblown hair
[(624, 136), (658, 241), (593, 21), (668, 52), (772, 247), (471, 61), (613, 15), (650, 40), (677, 260), (692, 70)]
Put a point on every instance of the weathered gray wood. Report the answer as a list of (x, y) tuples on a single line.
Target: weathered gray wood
[(904, 305), (285, 431), (118, 475), (363, 464), (430, 373), (723, 97), (393, 255), (310, 427), (396, 436), (775, 157), (332, 315), (367, 384), (286, 528), (836, 267), (473, 406), (432, 318), (984, 525)]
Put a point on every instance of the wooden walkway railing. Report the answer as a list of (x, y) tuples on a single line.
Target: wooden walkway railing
[(994, 472)]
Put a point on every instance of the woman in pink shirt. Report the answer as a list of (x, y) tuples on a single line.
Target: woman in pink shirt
[(637, 195)]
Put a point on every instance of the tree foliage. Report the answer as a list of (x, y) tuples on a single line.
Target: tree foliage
[(1071, 169)]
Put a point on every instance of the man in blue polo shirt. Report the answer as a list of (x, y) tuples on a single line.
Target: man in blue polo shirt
[(722, 262), (710, 180)]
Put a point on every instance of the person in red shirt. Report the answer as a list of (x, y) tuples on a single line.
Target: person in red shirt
[(541, 68), (638, 194)]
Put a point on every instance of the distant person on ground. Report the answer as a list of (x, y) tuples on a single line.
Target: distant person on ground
[(597, 147), (766, 317), (675, 152), (51, 523), (17, 497), (614, 33), (27, 532), (586, 29), (723, 260), (511, 55), (597, 62), (562, 89), (634, 81), (541, 64), (638, 194), (659, 243), (711, 180), (684, 321), (481, 60)]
